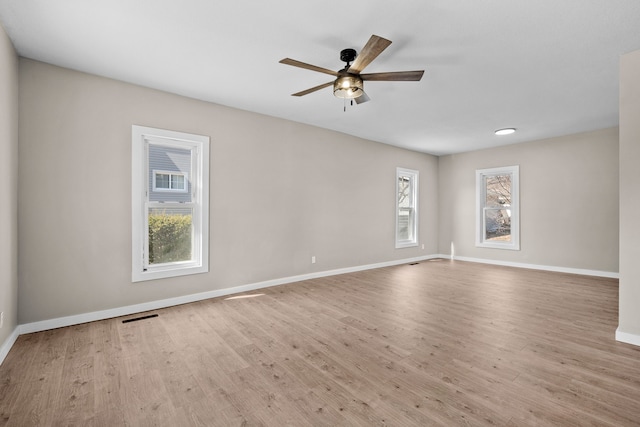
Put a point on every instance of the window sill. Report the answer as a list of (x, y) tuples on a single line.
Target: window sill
[(401, 245), (509, 247), (159, 273)]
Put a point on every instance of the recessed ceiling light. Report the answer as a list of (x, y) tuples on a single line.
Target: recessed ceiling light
[(505, 131)]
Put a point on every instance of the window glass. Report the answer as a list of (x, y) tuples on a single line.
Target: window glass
[(170, 234), (498, 208), (406, 207), (162, 180), (177, 182)]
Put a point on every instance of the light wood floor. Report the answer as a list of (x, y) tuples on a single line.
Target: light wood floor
[(438, 343)]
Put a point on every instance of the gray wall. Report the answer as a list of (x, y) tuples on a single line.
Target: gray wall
[(568, 201), (280, 193), (9, 180), (630, 194)]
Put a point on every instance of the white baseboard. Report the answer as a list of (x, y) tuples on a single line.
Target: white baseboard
[(60, 322), (6, 346), (597, 273), (627, 337)]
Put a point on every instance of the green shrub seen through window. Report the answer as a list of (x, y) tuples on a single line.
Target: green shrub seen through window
[(169, 237)]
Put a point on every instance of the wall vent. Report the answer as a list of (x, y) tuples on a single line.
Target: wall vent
[(135, 319)]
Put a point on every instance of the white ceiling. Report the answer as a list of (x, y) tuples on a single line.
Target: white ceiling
[(546, 67)]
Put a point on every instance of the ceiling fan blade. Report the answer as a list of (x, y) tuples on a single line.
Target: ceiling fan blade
[(369, 52), (289, 61), (362, 98), (313, 89), (396, 76)]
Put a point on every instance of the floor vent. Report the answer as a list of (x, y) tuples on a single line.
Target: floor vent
[(135, 319)]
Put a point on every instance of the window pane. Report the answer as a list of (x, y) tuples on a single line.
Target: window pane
[(405, 224), (162, 180), (404, 192), (174, 166), (497, 223), (177, 182), (498, 190), (170, 234)]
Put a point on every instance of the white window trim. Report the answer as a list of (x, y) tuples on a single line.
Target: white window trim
[(514, 244), (170, 173), (413, 175), (141, 136)]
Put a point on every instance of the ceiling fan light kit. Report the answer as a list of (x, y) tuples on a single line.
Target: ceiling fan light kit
[(348, 86), (349, 83)]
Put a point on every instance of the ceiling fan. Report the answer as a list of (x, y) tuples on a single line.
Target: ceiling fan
[(349, 82)]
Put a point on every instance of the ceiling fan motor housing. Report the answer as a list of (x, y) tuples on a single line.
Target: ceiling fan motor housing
[(348, 55)]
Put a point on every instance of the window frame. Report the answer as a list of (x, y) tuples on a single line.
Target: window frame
[(514, 207), (141, 138), (413, 176)]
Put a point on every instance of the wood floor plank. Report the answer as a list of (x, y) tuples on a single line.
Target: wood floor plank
[(435, 343), (13, 373), (42, 381)]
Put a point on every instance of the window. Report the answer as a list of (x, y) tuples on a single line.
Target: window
[(406, 208), (169, 181), (497, 216), (170, 203)]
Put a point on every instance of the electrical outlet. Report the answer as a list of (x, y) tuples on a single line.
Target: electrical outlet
[(1, 318), (313, 260), (423, 246)]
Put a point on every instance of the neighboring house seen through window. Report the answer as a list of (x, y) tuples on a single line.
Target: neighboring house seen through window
[(170, 176)]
